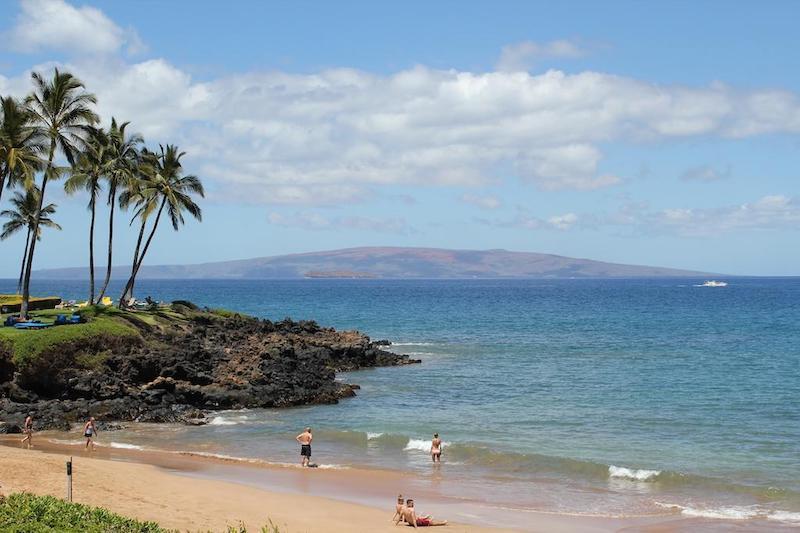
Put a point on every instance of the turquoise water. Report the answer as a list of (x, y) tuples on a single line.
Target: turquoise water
[(609, 397)]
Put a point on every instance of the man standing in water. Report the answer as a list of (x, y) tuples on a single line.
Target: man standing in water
[(90, 431), (436, 448), (305, 439), (27, 429)]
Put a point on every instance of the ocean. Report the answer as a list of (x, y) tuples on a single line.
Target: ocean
[(600, 397)]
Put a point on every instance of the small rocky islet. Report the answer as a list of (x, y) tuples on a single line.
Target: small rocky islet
[(175, 364)]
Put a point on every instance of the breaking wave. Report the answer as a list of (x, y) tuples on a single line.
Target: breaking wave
[(735, 513), (634, 474)]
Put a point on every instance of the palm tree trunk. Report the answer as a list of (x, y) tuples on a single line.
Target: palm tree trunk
[(26, 282), (113, 195), (92, 203), (22, 266), (128, 290), (138, 262)]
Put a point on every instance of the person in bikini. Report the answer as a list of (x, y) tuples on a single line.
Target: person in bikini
[(436, 448), (90, 432), (411, 518), (399, 509), (305, 439), (27, 429)]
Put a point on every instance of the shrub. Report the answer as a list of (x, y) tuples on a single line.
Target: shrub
[(22, 512)]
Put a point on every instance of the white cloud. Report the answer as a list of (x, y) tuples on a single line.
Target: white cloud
[(706, 173), (57, 25), (339, 135), (769, 212), (522, 56), (311, 220), (524, 220), (563, 222), (488, 201)]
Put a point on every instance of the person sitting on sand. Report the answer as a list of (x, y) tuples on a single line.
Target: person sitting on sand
[(436, 448), (411, 518), (90, 432), (27, 429), (305, 439), (399, 510)]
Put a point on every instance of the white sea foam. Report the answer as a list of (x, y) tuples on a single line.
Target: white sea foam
[(221, 421), (413, 344), (373, 436), (784, 516), (632, 473), (67, 442), (228, 421), (719, 513), (124, 446), (421, 445)]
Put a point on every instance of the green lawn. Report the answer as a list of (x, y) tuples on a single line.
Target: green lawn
[(26, 345)]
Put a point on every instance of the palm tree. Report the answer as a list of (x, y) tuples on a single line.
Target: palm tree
[(123, 161), (89, 169), (61, 112), (138, 193), (166, 186), (24, 216), (20, 146)]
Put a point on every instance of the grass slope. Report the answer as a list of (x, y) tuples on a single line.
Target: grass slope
[(26, 345)]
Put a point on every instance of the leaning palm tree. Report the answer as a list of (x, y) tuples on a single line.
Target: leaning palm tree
[(20, 146), (166, 186), (62, 114), (89, 168), (24, 216), (140, 193), (122, 168)]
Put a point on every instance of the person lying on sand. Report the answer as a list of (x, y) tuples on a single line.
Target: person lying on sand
[(436, 448), (305, 439), (27, 429), (399, 509), (411, 518), (90, 431)]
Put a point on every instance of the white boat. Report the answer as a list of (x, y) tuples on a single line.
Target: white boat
[(713, 283)]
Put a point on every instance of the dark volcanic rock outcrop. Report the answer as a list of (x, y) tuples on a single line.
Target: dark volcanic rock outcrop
[(200, 362)]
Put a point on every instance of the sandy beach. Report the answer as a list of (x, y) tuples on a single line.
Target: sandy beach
[(185, 492)]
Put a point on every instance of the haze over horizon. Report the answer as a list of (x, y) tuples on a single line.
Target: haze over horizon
[(518, 126)]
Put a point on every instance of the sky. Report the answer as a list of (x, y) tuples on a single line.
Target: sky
[(635, 132)]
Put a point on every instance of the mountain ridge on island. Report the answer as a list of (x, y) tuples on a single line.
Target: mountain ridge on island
[(392, 263)]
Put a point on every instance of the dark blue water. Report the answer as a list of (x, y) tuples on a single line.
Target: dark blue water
[(627, 396)]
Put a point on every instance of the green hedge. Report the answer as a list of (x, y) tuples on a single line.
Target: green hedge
[(22, 512)]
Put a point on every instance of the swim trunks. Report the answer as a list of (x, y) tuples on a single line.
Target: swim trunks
[(422, 522), (305, 450)]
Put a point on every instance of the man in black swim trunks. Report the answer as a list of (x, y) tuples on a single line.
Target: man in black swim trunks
[(305, 439)]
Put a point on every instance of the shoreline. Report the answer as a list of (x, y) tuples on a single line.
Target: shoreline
[(339, 494)]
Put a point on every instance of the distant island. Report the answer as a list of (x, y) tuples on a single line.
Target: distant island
[(391, 263)]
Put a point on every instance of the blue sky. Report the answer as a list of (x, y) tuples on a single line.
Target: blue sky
[(663, 135)]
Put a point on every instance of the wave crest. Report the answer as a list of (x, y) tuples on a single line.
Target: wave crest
[(621, 472)]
